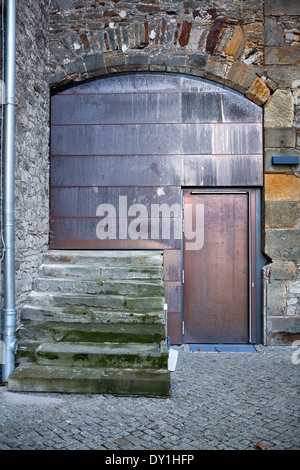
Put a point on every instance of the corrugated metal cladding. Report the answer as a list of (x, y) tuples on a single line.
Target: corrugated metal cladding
[(138, 139)]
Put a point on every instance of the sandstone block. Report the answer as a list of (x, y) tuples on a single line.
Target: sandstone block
[(279, 152), (282, 244), (282, 214), (280, 137), (282, 187), (235, 42), (279, 75), (282, 270), (282, 7), (279, 110), (240, 76), (273, 32), (217, 68), (258, 91), (283, 330), (277, 294), (283, 55), (294, 287)]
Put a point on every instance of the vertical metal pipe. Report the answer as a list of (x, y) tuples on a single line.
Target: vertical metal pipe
[(9, 311)]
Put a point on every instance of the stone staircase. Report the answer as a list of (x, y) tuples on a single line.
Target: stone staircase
[(95, 323)]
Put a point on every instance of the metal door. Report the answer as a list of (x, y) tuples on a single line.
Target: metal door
[(217, 267)]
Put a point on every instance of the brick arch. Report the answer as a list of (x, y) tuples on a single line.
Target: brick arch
[(236, 75)]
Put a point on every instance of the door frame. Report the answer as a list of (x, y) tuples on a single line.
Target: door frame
[(256, 258)]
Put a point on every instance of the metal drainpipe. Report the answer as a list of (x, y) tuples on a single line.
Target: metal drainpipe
[(9, 311)]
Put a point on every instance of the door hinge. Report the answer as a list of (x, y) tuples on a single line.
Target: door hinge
[(182, 327), (183, 276)]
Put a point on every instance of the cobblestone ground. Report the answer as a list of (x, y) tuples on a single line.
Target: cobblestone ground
[(219, 401)]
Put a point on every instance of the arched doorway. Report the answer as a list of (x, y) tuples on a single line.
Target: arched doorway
[(130, 153)]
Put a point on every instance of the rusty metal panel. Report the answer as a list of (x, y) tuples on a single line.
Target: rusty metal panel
[(145, 108), (84, 201), (153, 170), (216, 276), (222, 170), (76, 233), (123, 108), (143, 135), (172, 265), (154, 139)]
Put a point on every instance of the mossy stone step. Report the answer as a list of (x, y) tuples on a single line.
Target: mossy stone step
[(132, 287), (89, 315), (74, 300), (121, 333), (34, 378), (113, 355), (105, 258), (90, 272), (92, 332)]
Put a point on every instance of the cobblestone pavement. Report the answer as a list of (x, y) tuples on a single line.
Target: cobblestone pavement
[(219, 401)]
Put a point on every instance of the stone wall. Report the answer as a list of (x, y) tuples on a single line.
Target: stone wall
[(221, 40), (282, 183), (32, 143), (252, 47)]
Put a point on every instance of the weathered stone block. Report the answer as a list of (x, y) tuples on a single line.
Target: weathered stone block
[(279, 110), (217, 68), (197, 60), (240, 77), (277, 294), (294, 287), (282, 7), (75, 67), (138, 61), (282, 270), (282, 244), (274, 35), (293, 307), (61, 4), (94, 64), (282, 330), (280, 137), (185, 33), (279, 152), (258, 91), (279, 74), (283, 55), (235, 41), (282, 214), (115, 62), (281, 187), (213, 35)]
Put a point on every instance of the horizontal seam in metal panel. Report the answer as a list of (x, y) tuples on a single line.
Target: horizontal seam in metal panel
[(93, 217), (140, 93), (161, 155), (118, 186), (246, 123)]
